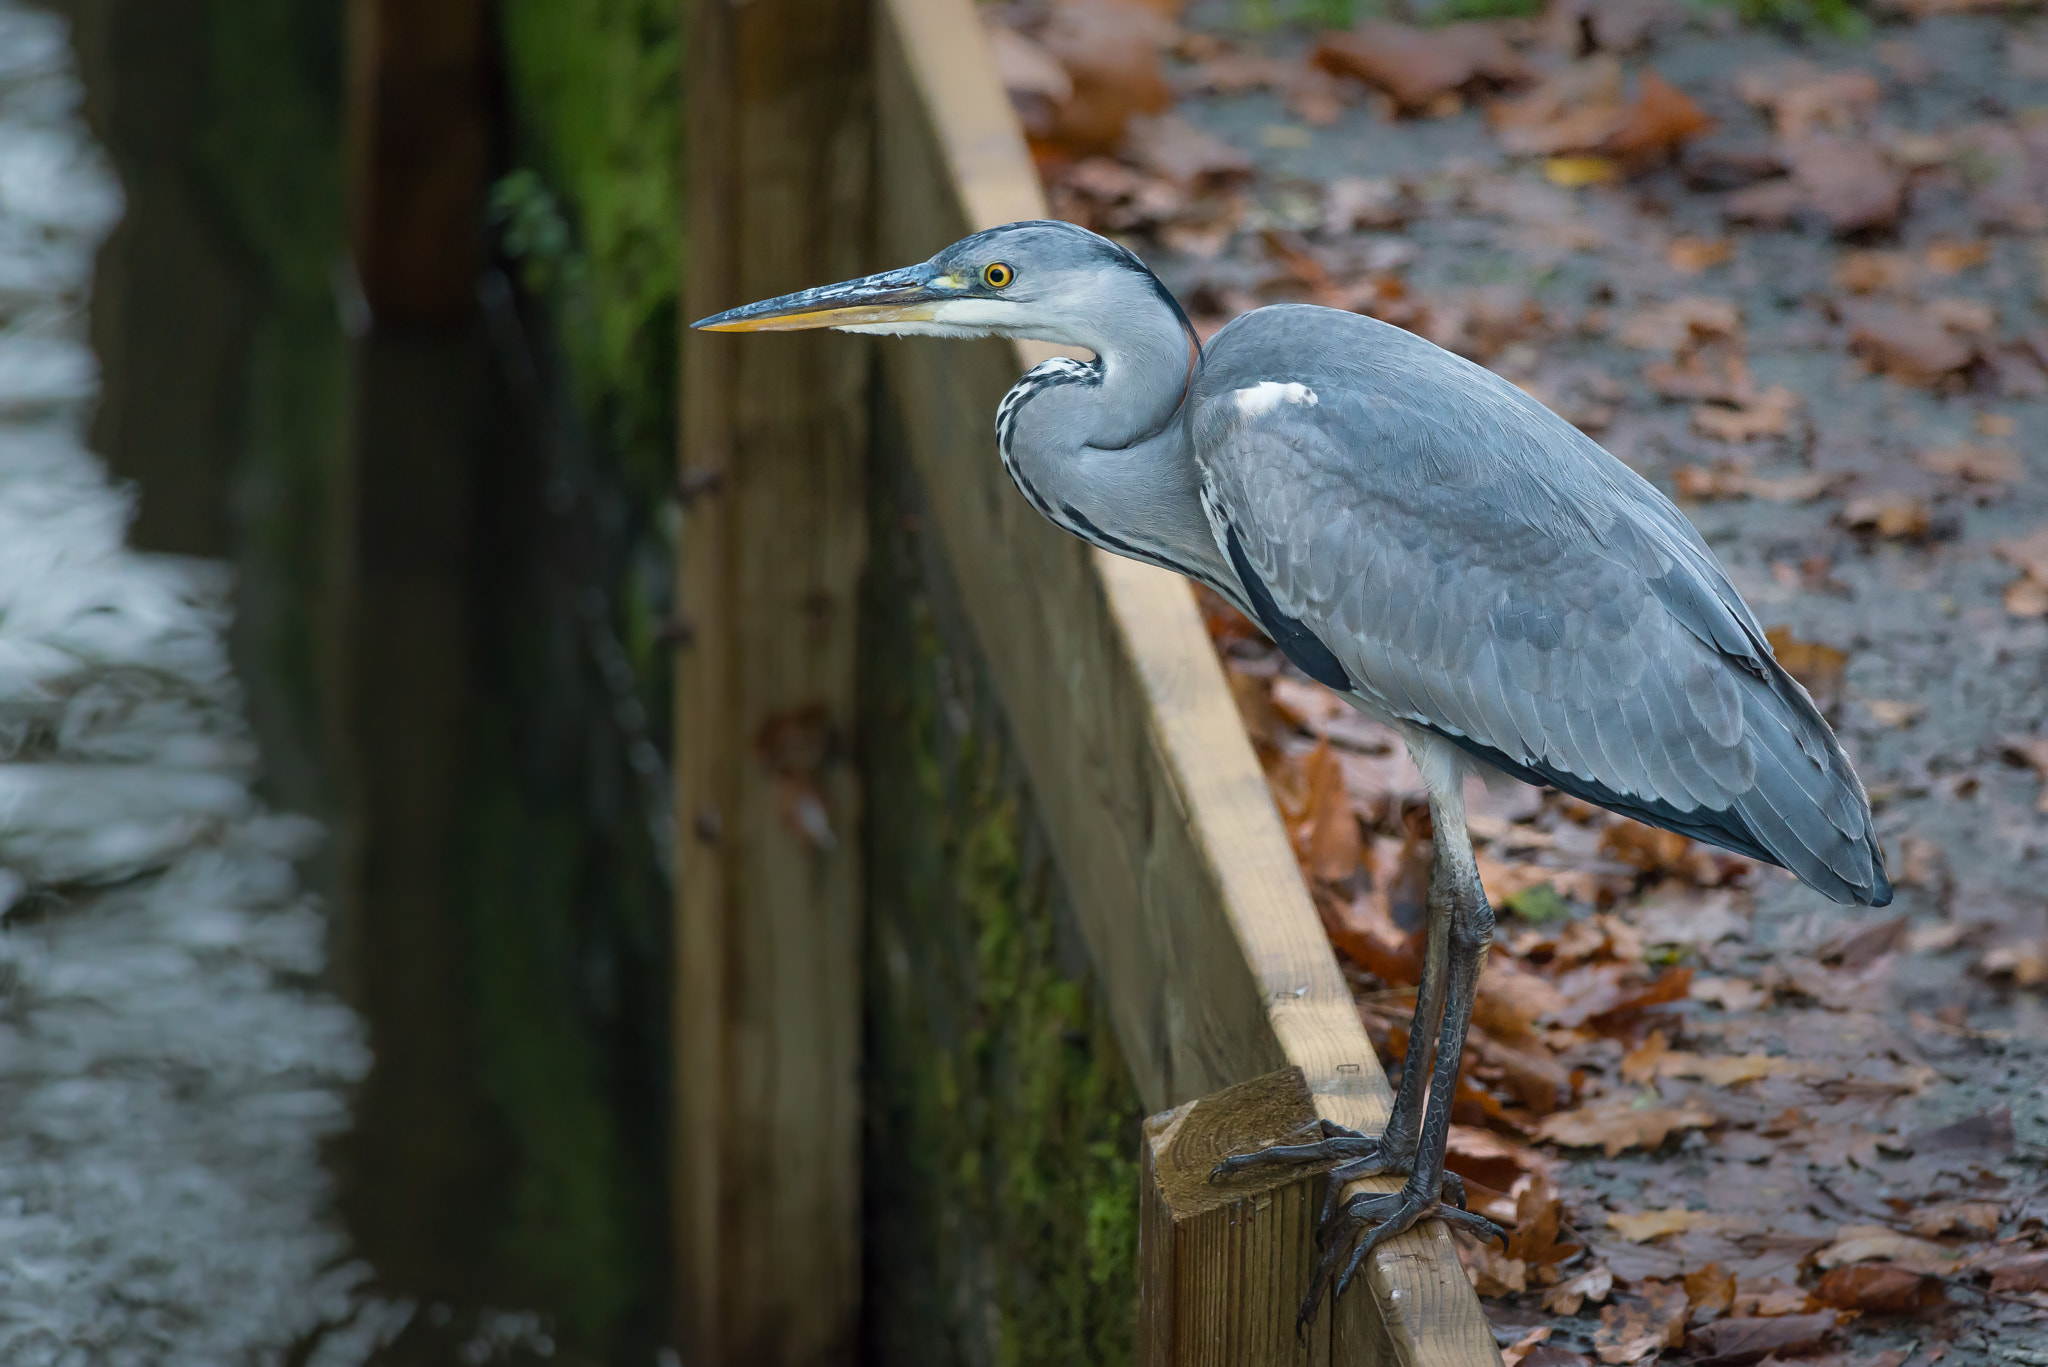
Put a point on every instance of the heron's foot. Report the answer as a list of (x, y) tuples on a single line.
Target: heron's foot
[(1363, 1155), (1357, 1226)]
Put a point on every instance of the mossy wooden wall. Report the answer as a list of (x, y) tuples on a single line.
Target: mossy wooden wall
[(1000, 1141)]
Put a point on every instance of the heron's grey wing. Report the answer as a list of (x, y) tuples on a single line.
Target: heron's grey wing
[(1479, 573)]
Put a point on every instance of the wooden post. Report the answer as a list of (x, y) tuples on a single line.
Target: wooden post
[(774, 438)]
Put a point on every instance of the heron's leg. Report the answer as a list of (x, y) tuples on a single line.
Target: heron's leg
[(1393, 1149), (1347, 1240)]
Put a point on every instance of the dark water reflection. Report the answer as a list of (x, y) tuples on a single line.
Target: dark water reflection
[(413, 637)]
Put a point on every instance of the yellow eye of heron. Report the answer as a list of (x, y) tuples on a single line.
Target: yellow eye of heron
[(997, 275)]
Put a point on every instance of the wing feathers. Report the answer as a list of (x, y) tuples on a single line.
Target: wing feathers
[(1476, 566)]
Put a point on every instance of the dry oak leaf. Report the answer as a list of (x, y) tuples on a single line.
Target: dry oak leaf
[(1950, 257), (1877, 1243), (1768, 414), (1110, 51), (1579, 114), (1973, 464), (1492, 1272), (2025, 964), (2027, 596), (1618, 1125), (1691, 255), (1977, 1218), (1737, 1342), (1850, 183), (1594, 1284), (1632, 1331), (1874, 272), (1890, 513), (1683, 322), (1730, 994), (1194, 162), (1417, 67), (1703, 485), (1640, 1227), (1914, 346), (1512, 1355), (1711, 1290), (1801, 99), (2015, 1268), (1878, 1289), (1816, 666)]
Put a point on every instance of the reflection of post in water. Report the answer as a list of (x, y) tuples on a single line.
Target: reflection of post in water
[(502, 890), (418, 1193), (429, 553)]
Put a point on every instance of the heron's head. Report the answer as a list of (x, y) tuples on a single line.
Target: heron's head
[(1050, 281)]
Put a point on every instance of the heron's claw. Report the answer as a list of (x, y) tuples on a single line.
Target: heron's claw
[(1364, 1222), (1361, 1155)]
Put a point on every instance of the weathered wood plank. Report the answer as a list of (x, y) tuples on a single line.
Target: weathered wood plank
[(774, 439), (1215, 965)]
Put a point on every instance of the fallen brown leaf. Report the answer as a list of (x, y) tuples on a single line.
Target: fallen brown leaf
[(1691, 255), (1642, 1226), (1660, 122), (1539, 1213), (1849, 182), (1492, 1272), (2026, 596), (1973, 464), (1194, 162), (1876, 1243), (1512, 1355), (1617, 1125), (1594, 1284), (1876, 272), (1681, 323), (1362, 932), (2025, 964), (2019, 1270), (1632, 1331), (1417, 67), (1878, 1289), (1110, 51), (1976, 1218), (1711, 1290), (1327, 841), (1801, 99), (1915, 346), (1766, 1298), (1730, 994), (1768, 414), (1736, 1342), (1891, 514), (1950, 257), (1817, 667), (1704, 485)]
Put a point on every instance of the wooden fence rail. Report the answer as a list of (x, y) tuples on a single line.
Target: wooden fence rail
[(1216, 970)]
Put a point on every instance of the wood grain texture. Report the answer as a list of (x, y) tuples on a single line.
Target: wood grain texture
[(774, 441), (1216, 967)]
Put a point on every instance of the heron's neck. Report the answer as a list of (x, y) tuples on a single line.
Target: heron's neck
[(1100, 448)]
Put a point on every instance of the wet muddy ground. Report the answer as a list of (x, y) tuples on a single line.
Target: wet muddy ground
[(1804, 296)]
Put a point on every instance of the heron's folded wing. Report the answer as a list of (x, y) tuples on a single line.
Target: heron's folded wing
[(1554, 617)]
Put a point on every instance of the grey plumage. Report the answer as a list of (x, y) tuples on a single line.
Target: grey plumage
[(1483, 569), (1417, 532)]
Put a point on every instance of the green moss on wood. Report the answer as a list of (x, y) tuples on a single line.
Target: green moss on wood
[(1001, 1142)]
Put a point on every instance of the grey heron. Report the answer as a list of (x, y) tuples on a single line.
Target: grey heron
[(1419, 534)]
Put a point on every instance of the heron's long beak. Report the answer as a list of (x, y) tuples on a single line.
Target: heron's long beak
[(901, 296)]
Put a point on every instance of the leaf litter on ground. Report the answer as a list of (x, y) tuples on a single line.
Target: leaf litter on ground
[(1707, 1143)]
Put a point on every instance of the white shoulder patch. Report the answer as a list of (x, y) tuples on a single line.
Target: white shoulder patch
[(1267, 395)]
